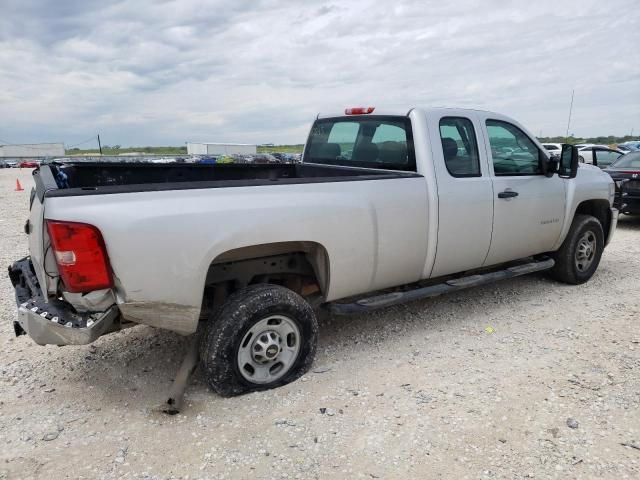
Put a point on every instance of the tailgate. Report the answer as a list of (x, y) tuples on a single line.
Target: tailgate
[(45, 316), (38, 237)]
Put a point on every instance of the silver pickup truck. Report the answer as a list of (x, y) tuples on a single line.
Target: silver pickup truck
[(386, 207)]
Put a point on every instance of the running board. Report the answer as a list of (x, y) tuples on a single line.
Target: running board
[(387, 299)]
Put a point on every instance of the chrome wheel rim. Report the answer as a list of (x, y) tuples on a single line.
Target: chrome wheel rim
[(585, 251), (269, 349)]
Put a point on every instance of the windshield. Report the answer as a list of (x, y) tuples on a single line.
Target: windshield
[(630, 160), (362, 141)]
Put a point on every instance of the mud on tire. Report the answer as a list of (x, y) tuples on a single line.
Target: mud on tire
[(262, 337)]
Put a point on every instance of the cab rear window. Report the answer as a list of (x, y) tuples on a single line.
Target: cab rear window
[(362, 141)]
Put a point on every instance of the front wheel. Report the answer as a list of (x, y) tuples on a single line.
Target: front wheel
[(579, 256), (264, 336)]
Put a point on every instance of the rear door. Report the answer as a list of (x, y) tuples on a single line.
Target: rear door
[(465, 194), (528, 211)]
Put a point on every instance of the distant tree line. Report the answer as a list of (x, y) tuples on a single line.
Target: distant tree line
[(609, 140), (117, 149)]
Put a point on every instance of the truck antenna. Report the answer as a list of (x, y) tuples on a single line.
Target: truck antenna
[(569, 121)]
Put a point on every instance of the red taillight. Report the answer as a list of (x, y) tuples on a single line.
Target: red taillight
[(358, 110), (81, 256)]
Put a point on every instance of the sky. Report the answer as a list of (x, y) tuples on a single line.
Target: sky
[(143, 72)]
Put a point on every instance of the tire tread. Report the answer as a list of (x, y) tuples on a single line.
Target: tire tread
[(226, 327), (564, 270)]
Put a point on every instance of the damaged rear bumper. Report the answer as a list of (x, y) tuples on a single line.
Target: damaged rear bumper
[(53, 321)]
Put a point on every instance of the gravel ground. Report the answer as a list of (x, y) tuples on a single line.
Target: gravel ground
[(425, 390)]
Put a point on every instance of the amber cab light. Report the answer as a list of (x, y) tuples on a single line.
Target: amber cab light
[(81, 256)]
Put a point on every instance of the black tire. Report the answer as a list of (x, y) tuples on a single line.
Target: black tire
[(567, 268), (219, 349)]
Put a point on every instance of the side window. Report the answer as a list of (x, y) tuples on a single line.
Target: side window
[(513, 152), (459, 147)]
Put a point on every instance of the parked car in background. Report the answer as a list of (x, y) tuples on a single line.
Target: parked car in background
[(583, 145), (631, 146), (599, 155), (626, 175), (554, 149), (29, 164)]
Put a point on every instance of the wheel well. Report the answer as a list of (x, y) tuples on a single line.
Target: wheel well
[(599, 209), (300, 266)]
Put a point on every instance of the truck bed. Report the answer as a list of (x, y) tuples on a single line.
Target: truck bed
[(83, 178)]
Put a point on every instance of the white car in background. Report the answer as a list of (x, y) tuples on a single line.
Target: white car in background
[(554, 149), (599, 155), (580, 146)]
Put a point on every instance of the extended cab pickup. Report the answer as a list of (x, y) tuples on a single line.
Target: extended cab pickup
[(385, 207)]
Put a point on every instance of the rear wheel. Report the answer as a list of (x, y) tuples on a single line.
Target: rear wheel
[(264, 336), (579, 256)]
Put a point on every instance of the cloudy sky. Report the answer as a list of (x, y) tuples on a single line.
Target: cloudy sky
[(165, 72)]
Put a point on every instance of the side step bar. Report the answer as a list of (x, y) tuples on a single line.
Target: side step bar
[(387, 299)]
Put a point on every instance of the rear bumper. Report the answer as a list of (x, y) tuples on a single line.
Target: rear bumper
[(53, 321)]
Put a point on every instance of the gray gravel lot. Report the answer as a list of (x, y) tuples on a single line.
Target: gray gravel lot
[(423, 390)]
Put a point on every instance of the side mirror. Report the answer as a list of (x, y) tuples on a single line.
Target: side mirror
[(549, 166), (568, 167), (552, 167)]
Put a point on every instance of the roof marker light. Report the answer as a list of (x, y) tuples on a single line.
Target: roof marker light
[(359, 110)]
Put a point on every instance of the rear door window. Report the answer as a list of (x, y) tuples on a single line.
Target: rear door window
[(459, 147)]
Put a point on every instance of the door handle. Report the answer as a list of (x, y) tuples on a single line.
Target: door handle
[(507, 194)]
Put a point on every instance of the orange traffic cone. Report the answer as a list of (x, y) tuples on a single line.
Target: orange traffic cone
[(18, 186)]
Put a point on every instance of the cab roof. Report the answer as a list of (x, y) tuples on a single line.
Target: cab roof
[(403, 112)]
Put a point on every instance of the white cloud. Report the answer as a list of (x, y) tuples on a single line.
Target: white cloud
[(150, 72)]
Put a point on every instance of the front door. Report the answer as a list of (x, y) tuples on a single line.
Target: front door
[(528, 207)]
